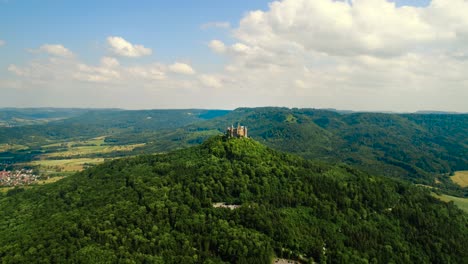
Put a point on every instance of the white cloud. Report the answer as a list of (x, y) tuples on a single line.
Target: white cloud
[(2, 42), (211, 81), (217, 24), (181, 68), (121, 47), (108, 71), (110, 62), (56, 50), (217, 46), (154, 72), (361, 54), (300, 84), (348, 28), (240, 48)]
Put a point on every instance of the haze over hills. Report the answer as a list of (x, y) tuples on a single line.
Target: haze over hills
[(159, 209)]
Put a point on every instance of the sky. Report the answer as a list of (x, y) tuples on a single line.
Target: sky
[(365, 55)]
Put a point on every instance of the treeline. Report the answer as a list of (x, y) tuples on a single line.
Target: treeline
[(158, 209)]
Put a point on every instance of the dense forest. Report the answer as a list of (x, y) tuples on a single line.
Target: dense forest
[(94, 123), (421, 148), (159, 209), (12, 117)]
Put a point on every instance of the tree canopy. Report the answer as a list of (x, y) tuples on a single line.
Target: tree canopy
[(159, 209)]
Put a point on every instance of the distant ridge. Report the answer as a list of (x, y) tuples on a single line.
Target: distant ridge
[(439, 112)]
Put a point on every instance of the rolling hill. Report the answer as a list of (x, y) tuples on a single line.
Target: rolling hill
[(422, 148), (159, 209)]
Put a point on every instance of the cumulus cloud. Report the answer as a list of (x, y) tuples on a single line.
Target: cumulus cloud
[(110, 62), (122, 47), (300, 84), (106, 72), (181, 68), (56, 50), (154, 72), (240, 48), (361, 54), (217, 46), (211, 81), (17, 70), (349, 28)]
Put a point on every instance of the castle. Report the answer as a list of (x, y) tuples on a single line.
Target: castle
[(239, 131)]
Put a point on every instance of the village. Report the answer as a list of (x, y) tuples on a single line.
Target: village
[(17, 178)]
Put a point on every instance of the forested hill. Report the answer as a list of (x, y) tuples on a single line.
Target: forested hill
[(95, 123), (422, 148), (11, 117), (417, 147), (159, 209)]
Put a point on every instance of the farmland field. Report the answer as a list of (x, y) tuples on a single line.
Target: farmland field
[(461, 178), (83, 148), (65, 165), (11, 147)]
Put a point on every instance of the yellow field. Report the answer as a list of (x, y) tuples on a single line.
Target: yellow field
[(66, 165), (11, 147), (461, 178), (50, 180), (66, 158), (93, 146), (462, 203), (95, 141)]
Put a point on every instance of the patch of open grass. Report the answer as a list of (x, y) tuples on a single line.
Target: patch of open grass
[(461, 178), (85, 147), (50, 180), (11, 147), (462, 203), (65, 165), (87, 150)]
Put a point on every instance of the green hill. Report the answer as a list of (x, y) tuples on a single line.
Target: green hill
[(94, 123), (12, 117), (422, 148), (159, 209)]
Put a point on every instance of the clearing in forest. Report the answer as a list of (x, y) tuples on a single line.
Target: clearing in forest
[(461, 178)]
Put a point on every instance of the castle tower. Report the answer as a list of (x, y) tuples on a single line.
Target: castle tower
[(239, 131)]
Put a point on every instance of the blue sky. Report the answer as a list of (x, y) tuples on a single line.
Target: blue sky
[(192, 53), (171, 28)]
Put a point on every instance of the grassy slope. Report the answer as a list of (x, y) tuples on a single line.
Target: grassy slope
[(462, 203)]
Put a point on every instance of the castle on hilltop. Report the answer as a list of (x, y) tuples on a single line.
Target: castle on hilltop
[(239, 131)]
